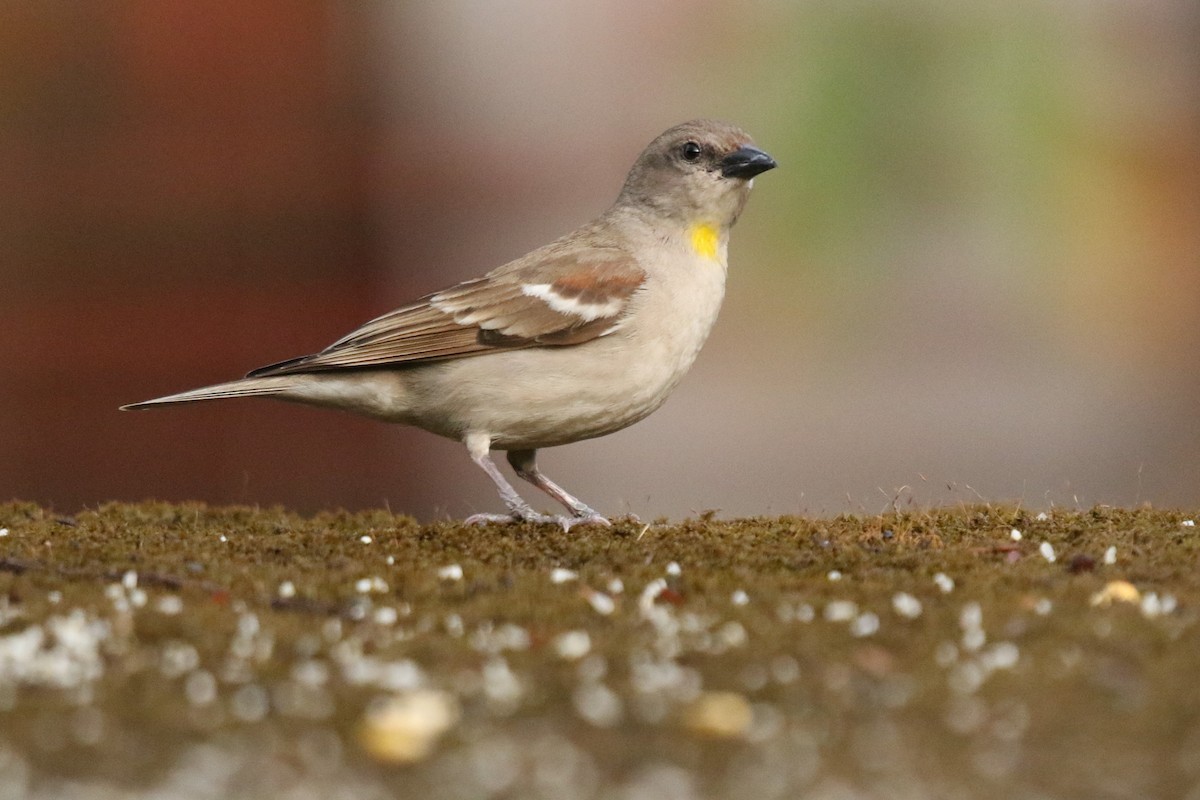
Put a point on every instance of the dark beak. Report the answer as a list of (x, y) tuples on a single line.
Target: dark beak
[(746, 162)]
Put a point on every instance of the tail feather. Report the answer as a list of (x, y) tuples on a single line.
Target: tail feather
[(246, 387)]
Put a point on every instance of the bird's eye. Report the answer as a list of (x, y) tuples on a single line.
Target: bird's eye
[(690, 151)]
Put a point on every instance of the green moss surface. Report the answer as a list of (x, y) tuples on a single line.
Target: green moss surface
[(242, 652)]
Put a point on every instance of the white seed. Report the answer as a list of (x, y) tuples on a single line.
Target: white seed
[(739, 598), (451, 572), (905, 605), (561, 575), (1151, 606), (841, 611), (944, 582), (598, 705), (1047, 551), (866, 624), (573, 645), (1015, 534), (601, 603), (1110, 555), (170, 604)]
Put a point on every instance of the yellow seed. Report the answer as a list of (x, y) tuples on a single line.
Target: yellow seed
[(721, 715), (1116, 592), (404, 728)]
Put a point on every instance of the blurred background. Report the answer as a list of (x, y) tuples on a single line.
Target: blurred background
[(976, 274)]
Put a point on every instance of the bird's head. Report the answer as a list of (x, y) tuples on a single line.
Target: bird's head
[(699, 172)]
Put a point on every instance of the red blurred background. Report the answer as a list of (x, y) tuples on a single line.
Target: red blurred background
[(975, 274)]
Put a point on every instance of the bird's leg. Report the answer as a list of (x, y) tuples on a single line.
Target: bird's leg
[(524, 462), (518, 510)]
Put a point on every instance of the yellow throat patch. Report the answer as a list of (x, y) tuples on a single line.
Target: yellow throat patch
[(706, 240)]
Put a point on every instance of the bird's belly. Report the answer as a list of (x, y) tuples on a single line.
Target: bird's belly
[(547, 396), (543, 397), (537, 397)]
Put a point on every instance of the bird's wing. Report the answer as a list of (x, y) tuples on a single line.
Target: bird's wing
[(554, 300)]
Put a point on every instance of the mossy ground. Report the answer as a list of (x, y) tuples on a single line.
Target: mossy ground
[(237, 652)]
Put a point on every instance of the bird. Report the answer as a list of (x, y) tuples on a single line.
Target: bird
[(577, 339)]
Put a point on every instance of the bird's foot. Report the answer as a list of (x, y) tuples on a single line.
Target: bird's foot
[(568, 522), (563, 521), (514, 516)]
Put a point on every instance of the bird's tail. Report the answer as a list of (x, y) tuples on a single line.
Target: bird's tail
[(246, 387)]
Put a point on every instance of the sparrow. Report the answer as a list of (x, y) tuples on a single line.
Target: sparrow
[(577, 339)]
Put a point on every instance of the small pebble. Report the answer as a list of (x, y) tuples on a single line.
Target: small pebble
[(287, 590), (739, 598), (1110, 555), (834, 575), (674, 569), (365, 539), (129, 580), (1047, 551), (391, 561), (1188, 523), (944, 582), (1043, 606), (1015, 535), (3, 531), (616, 586), (452, 572), (1081, 562)]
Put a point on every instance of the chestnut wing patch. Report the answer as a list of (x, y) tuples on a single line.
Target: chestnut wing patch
[(548, 303)]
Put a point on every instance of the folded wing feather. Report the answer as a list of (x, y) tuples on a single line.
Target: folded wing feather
[(549, 302)]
